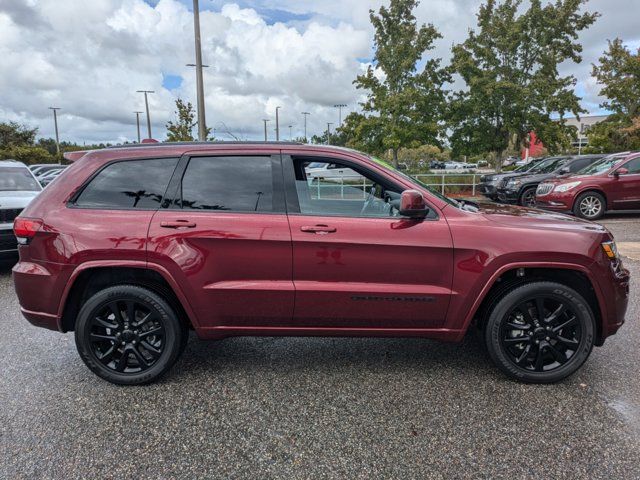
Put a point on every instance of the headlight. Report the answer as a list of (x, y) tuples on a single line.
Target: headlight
[(513, 183), (610, 249), (565, 187)]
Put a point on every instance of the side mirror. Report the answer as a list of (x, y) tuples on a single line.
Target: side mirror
[(564, 170), (412, 204), (620, 171)]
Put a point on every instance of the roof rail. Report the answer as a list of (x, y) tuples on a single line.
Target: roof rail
[(234, 142)]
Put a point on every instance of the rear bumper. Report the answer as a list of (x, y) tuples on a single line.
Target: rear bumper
[(40, 287)]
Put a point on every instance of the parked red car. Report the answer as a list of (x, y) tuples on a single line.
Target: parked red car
[(133, 247), (612, 183)]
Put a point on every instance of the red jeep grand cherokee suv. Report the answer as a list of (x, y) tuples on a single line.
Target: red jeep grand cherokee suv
[(612, 183), (132, 247)]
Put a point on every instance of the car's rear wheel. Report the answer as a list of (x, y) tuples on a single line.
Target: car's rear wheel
[(541, 332), (590, 206), (528, 197), (129, 335)]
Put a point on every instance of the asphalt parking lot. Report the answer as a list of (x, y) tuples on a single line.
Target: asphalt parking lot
[(318, 408)]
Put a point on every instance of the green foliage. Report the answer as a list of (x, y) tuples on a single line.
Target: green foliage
[(619, 73), (617, 133), (12, 133), (27, 154), (182, 129), (510, 66), (403, 104)]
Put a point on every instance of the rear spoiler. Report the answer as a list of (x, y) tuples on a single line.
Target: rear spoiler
[(73, 156)]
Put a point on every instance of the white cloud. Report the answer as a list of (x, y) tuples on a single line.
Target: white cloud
[(90, 58)]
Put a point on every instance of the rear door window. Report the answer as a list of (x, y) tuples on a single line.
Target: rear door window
[(136, 184), (232, 184)]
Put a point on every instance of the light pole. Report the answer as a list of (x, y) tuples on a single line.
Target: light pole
[(305, 114), (265, 120), (146, 104), (201, 137), (290, 134), (329, 132), (339, 106), (277, 125), (138, 123), (55, 123), (202, 122)]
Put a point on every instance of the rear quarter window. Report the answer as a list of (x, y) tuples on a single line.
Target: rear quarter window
[(129, 184)]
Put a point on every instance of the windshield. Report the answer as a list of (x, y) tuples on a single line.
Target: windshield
[(601, 165), (550, 165), (14, 179), (388, 166)]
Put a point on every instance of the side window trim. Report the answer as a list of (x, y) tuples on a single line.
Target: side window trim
[(174, 191), (72, 201)]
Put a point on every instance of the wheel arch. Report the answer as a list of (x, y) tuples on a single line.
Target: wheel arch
[(511, 277), (91, 277), (593, 189)]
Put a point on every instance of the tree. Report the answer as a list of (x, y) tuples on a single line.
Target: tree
[(617, 133), (510, 67), (404, 102), (12, 133), (181, 130), (619, 73)]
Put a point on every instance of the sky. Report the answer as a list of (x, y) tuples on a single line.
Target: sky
[(90, 57)]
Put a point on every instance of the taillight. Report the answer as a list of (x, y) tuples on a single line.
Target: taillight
[(26, 228)]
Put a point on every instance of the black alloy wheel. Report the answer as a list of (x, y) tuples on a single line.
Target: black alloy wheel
[(129, 335), (528, 197), (540, 332)]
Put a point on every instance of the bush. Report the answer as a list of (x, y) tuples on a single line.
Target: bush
[(27, 154)]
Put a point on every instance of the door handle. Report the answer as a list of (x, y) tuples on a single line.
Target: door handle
[(178, 224), (319, 229)]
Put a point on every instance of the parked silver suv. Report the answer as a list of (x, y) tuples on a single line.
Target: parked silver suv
[(18, 187)]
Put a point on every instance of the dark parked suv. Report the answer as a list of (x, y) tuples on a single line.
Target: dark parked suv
[(131, 248), (521, 190)]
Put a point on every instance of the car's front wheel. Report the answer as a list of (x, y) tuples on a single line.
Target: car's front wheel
[(528, 197), (590, 205), (129, 335), (540, 332)]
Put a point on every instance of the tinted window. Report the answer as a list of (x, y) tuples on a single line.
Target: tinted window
[(633, 165), (16, 179), (578, 165), (236, 184), (343, 191), (129, 184)]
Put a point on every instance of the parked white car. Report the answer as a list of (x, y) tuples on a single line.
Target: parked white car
[(330, 171), (18, 186)]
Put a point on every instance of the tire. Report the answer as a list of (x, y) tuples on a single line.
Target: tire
[(590, 206), (534, 351), (528, 197), (129, 335)]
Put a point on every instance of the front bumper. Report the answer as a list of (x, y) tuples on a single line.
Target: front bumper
[(488, 190), (616, 298), (558, 202), (508, 196)]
